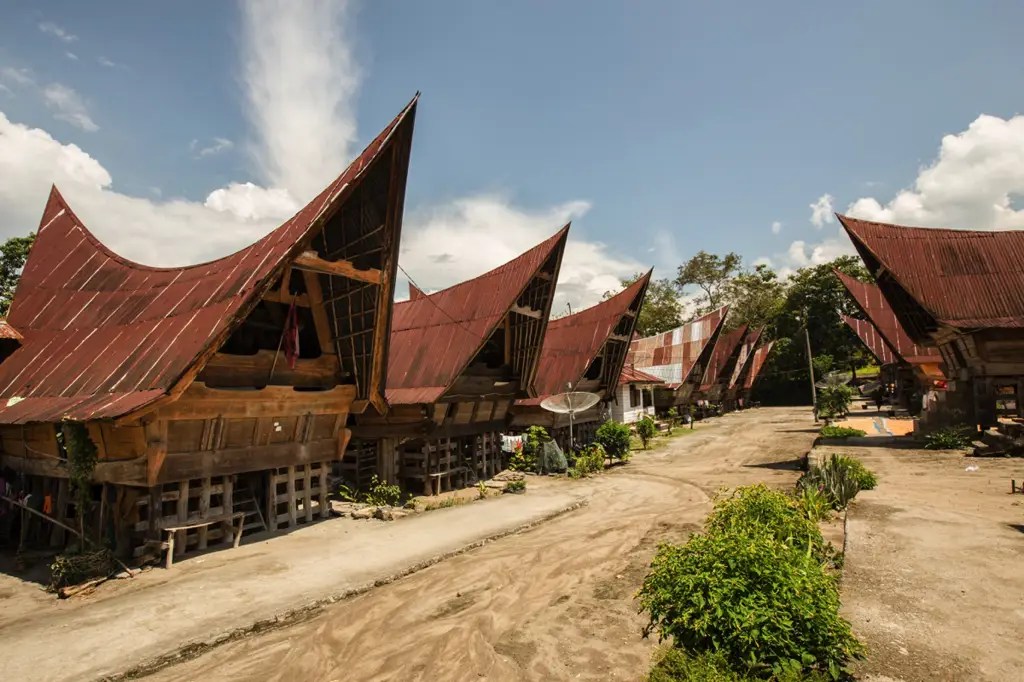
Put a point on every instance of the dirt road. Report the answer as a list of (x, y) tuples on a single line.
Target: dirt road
[(555, 603)]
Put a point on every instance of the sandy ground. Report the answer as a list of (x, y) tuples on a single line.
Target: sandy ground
[(555, 603), (933, 581)]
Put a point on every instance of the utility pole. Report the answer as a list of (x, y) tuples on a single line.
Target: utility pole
[(810, 367)]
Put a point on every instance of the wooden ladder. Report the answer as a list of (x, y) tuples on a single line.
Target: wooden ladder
[(245, 502)]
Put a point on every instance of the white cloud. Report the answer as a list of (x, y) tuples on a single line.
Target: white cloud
[(69, 107), (21, 77), (103, 61), (252, 202), (971, 184), (220, 144), (72, 56), (821, 211), (55, 30), (763, 260), (776, 227), (444, 245)]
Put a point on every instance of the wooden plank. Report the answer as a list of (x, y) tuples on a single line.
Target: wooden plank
[(96, 435), (320, 319), (325, 506), (276, 296), (228, 507), (225, 370), (307, 492), (182, 516), (272, 501), (156, 449), (309, 261), (200, 401), (528, 312), (204, 510), (253, 458), (292, 518)]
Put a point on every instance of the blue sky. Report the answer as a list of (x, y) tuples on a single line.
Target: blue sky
[(661, 127)]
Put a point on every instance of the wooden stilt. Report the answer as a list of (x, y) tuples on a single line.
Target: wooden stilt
[(227, 507), (307, 491), (179, 541), (272, 500), (325, 505), (204, 511), (60, 511), (292, 516)]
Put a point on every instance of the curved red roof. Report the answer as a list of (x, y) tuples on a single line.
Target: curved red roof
[(757, 364), (672, 355), (746, 352), (962, 278), (104, 336), (434, 337), (572, 342), (631, 375), (872, 303), (868, 333), (724, 357)]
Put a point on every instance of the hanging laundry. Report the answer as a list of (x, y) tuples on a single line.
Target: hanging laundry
[(511, 443), (291, 336), (48, 505)]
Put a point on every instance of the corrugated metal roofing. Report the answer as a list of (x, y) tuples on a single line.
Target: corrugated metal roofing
[(962, 278), (726, 350), (631, 375), (872, 339), (745, 354), (872, 303), (434, 337), (671, 355), (572, 342), (104, 336), (9, 332), (757, 364)]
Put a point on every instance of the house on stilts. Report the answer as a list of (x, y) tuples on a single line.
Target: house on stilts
[(216, 395), (459, 358), (584, 352), (711, 393), (962, 292), (740, 369)]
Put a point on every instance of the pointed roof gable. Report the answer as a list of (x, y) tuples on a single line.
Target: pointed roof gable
[(958, 278), (434, 337), (672, 355), (572, 342), (104, 336), (879, 313), (415, 292), (743, 360), (757, 364), (724, 357), (868, 333)]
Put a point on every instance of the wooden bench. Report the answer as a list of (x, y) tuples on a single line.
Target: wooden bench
[(172, 530)]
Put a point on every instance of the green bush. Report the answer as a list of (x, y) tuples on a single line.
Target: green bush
[(380, 494), (673, 419), (525, 458), (765, 605), (516, 486), (614, 438), (834, 400), (840, 432), (950, 438), (839, 479), (590, 461), (646, 429), (816, 504), (865, 478), (676, 665)]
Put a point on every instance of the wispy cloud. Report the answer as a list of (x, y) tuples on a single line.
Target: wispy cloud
[(55, 30), (776, 227), (220, 144), (68, 106), (72, 56), (103, 61), (17, 76), (821, 211)]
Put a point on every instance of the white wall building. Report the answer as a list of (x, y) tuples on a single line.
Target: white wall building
[(635, 396)]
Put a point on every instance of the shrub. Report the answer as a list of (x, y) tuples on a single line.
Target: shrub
[(839, 479), (525, 458), (834, 400), (590, 461), (381, 494), (673, 419), (816, 504), (73, 569), (614, 438), (645, 429), (949, 438), (516, 486), (677, 665), (764, 605), (865, 478), (840, 432)]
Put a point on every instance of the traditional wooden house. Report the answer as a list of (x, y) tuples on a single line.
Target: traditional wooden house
[(962, 292), (721, 365), (459, 358), (872, 340), (635, 398), (746, 354), (751, 374), (585, 351), (210, 392), (678, 357)]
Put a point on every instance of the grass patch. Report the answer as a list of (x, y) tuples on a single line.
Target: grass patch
[(840, 432)]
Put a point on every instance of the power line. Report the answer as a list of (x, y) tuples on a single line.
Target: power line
[(434, 303)]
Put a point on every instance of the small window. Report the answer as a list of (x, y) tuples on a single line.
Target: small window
[(634, 396)]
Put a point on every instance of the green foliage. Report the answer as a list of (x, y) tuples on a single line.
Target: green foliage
[(13, 254), (677, 665), (834, 400), (711, 274), (347, 494), (865, 478), (73, 569), (381, 494), (840, 432), (816, 505), (614, 438), (516, 486), (950, 438), (755, 297), (525, 459), (481, 489), (646, 429), (673, 419), (590, 461), (838, 479), (82, 456), (662, 309)]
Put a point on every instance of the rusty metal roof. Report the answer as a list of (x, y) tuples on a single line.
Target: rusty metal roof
[(9, 332), (572, 342), (757, 364), (414, 292), (631, 375), (879, 313), (104, 336), (868, 333), (746, 351), (671, 355), (725, 354), (961, 278), (434, 337)]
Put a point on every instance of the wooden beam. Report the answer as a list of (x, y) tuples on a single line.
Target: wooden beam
[(226, 370), (188, 465), (316, 306), (529, 312), (201, 402), (123, 472), (301, 300), (618, 337), (308, 261)]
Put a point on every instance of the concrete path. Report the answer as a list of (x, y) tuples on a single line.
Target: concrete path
[(207, 597)]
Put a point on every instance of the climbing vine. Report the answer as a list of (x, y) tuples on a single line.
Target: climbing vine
[(82, 456)]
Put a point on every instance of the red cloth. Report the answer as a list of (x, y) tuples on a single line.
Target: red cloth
[(291, 336)]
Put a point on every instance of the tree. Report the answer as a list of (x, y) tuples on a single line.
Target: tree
[(755, 297), (646, 429), (711, 273), (13, 253), (662, 309)]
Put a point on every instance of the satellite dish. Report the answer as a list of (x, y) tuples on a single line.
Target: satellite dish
[(570, 403)]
